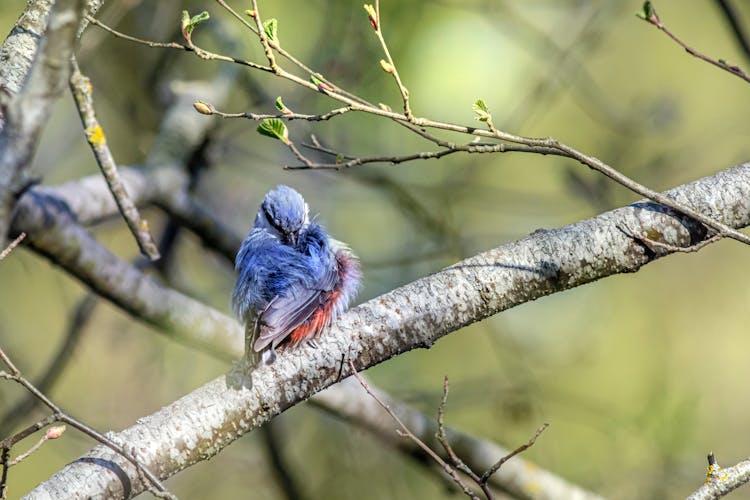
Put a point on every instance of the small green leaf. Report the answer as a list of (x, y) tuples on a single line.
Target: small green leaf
[(480, 108), (275, 129), (647, 12), (480, 105), (199, 18), (315, 80), (270, 26), (282, 107), (189, 23)]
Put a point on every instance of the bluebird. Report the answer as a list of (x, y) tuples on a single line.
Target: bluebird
[(293, 279)]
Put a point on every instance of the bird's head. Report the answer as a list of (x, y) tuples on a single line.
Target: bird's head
[(283, 213)]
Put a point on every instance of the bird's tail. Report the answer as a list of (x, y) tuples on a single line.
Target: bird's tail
[(252, 332)]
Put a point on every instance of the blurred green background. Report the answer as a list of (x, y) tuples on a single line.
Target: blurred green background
[(638, 375)]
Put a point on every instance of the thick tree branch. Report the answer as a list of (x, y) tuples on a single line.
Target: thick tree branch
[(205, 421), (30, 85), (22, 43), (158, 186), (53, 231)]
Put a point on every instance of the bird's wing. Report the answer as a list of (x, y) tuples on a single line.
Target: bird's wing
[(292, 309)]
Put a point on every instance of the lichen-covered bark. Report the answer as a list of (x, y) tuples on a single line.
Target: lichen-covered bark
[(21, 44), (723, 481), (33, 82), (203, 422)]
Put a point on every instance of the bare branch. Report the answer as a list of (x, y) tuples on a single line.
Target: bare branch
[(486, 476), (202, 53), (518, 478), (61, 416), (474, 148), (388, 65), (13, 244), (540, 145), (53, 231), (404, 431), (80, 86), (283, 116), (649, 15), (4, 461), (52, 433)]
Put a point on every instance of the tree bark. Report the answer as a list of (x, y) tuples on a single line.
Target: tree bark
[(202, 423)]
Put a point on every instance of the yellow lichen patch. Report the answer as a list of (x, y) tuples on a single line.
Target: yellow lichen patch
[(715, 473), (96, 136), (653, 234)]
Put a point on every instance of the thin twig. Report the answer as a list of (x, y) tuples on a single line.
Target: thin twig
[(305, 160), (654, 244), (486, 476), (16, 376), (442, 437), (739, 30), (52, 433), (62, 357), (10, 441), (277, 47), (390, 66), (653, 19), (284, 116), (536, 145), (80, 86), (203, 54), (353, 161), (404, 431), (261, 32), (13, 244)]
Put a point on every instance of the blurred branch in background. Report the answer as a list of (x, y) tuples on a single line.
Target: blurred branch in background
[(451, 463), (273, 438), (55, 368)]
